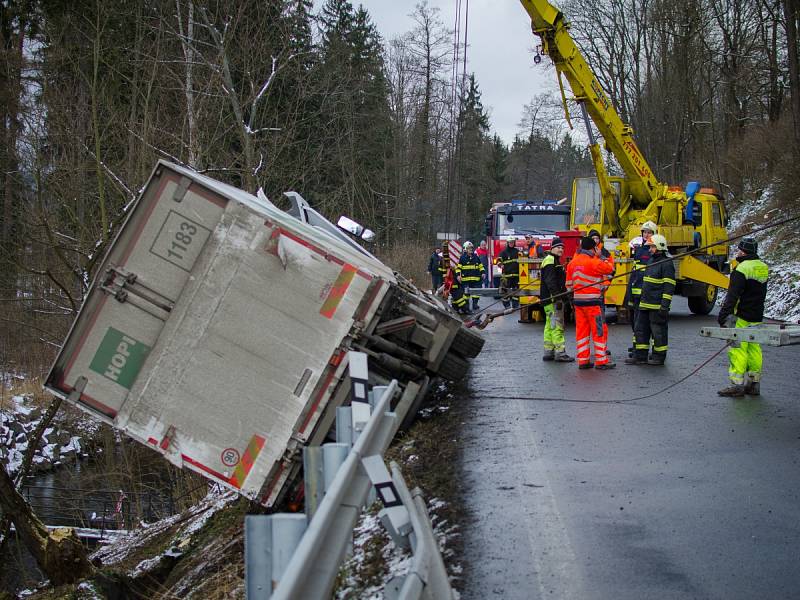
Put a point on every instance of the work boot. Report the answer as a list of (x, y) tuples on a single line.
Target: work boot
[(752, 388), (474, 305), (732, 391), (656, 360), (633, 360), (549, 355), (586, 366), (631, 352), (564, 357), (606, 366)]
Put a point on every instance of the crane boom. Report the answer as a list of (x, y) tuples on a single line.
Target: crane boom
[(552, 28)]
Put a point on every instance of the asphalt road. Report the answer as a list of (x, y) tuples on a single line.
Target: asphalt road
[(684, 494)]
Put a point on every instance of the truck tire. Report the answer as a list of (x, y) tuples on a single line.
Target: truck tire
[(467, 343), (703, 305), (453, 367)]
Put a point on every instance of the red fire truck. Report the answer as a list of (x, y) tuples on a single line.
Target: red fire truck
[(518, 218), (541, 220)]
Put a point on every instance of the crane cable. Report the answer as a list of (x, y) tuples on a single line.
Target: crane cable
[(665, 260)]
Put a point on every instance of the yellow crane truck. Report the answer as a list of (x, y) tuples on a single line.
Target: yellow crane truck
[(689, 218)]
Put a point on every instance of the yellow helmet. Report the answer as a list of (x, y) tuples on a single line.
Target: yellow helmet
[(659, 241)]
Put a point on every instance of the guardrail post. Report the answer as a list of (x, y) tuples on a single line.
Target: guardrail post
[(333, 457), (344, 425), (269, 543), (258, 556), (287, 531), (313, 478)]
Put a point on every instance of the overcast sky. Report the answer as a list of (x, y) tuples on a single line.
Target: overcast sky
[(499, 53)]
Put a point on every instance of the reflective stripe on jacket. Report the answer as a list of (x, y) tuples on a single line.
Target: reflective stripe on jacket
[(641, 255), (658, 283), (553, 279), (585, 276), (509, 260), (470, 268), (747, 291)]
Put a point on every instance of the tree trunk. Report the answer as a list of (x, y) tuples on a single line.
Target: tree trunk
[(59, 554), (790, 10)]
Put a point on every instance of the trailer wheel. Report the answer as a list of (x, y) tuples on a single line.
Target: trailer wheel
[(467, 343), (453, 367), (703, 305)]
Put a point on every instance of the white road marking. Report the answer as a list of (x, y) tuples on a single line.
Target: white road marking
[(557, 570)]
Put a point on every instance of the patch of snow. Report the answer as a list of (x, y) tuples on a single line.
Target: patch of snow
[(88, 588), (397, 561), (196, 516), (145, 566)]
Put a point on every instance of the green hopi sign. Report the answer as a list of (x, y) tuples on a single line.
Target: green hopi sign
[(119, 357)]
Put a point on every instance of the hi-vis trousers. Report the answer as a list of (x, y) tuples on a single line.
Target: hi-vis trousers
[(590, 329), (744, 359), (554, 327)]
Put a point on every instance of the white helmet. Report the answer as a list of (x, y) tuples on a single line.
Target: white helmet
[(659, 241), (636, 242), (649, 225), (468, 245), (511, 238)]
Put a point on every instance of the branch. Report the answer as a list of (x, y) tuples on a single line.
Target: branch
[(108, 170)]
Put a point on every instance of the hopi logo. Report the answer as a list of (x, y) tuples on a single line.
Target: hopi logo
[(119, 357)]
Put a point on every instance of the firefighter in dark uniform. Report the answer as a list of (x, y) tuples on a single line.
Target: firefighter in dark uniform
[(640, 254), (509, 280), (471, 272), (658, 285), (458, 299)]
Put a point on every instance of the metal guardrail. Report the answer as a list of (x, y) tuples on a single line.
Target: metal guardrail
[(286, 560)]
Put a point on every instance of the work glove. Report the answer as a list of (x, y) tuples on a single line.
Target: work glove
[(723, 322), (663, 313)]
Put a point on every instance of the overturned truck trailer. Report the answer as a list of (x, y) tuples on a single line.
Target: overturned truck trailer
[(217, 331)]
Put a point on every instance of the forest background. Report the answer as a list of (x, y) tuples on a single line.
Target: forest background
[(393, 133)]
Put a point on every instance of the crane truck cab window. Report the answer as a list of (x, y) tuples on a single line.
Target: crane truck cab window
[(716, 214), (587, 201), (697, 213)]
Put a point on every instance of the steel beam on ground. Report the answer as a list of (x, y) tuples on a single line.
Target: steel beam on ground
[(769, 335)]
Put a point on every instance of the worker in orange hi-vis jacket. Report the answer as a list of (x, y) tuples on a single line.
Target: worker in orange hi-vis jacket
[(586, 274)]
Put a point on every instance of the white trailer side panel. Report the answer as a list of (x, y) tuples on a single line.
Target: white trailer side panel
[(219, 338)]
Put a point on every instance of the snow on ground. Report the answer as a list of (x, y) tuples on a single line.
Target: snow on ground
[(783, 291), (394, 561), (19, 420), (188, 523)]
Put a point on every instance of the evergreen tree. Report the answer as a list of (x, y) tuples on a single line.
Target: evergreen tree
[(473, 155), (356, 127)]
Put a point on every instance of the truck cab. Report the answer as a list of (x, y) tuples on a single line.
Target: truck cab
[(540, 219)]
